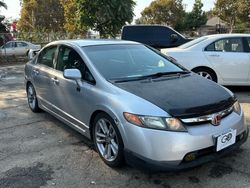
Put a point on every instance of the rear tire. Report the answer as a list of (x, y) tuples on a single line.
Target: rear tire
[(206, 73), (108, 141), (32, 99)]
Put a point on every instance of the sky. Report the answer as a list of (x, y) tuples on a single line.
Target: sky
[(14, 7)]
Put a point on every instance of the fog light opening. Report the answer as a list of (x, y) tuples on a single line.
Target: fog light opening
[(241, 136), (190, 157)]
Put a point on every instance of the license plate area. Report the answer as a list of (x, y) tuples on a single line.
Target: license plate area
[(225, 140)]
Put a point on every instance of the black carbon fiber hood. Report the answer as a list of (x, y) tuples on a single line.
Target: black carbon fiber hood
[(183, 97)]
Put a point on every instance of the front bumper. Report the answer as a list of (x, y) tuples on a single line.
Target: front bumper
[(168, 149), (202, 156)]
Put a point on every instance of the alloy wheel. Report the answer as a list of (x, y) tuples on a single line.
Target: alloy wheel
[(31, 97), (106, 139), (205, 75)]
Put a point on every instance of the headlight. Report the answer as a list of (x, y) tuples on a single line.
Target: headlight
[(237, 108), (170, 124)]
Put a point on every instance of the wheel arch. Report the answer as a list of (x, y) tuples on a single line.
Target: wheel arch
[(205, 68), (109, 112)]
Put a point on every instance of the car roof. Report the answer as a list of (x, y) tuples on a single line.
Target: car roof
[(93, 42), (228, 35)]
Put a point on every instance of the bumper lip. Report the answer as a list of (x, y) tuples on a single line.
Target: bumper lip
[(149, 165)]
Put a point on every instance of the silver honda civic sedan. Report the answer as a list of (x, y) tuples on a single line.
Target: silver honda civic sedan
[(135, 104)]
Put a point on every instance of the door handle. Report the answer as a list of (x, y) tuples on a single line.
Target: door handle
[(214, 55), (36, 71), (55, 80)]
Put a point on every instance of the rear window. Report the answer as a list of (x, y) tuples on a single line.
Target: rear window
[(193, 42)]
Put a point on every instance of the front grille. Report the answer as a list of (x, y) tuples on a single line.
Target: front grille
[(207, 118)]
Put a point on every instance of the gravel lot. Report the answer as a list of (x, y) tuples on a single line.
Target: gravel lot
[(37, 150)]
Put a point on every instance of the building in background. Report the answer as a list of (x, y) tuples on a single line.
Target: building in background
[(214, 25)]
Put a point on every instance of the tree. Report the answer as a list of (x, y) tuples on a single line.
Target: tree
[(41, 15), (196, 17), (244, 11), (3, 4), (70, 17), (228, 11), (165, 12), (107, 17), (5, 35)]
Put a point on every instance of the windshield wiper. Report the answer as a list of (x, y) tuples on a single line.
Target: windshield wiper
[(160, 74), (150, 76)]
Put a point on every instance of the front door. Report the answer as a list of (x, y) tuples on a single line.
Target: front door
[(73, 102), (8, 49)]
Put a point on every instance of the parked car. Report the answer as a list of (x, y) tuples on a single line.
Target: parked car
[(157, 36), (223, 58), (18, 48), (134, 103)]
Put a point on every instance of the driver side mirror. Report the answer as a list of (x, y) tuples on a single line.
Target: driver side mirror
[(174, 38), (74, 74), (32, 54)]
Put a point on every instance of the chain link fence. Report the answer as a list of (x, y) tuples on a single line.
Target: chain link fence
[(38, 38)]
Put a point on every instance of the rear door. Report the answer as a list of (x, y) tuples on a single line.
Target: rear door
[(229, 58), (43, 73)]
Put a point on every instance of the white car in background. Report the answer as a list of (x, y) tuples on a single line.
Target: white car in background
[(223, 58), (18, 48)]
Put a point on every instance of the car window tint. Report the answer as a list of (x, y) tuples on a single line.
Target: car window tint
[(248, 40), (219, 45), (226, 45), (21, 44), (210, 47), (47, 56), (70, 59)]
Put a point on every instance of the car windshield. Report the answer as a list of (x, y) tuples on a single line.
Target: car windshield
[(192, 43), (129, 61)]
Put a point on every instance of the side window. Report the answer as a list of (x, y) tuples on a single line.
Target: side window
[(210, 47), (226, 45), (248, 41), (47, 56), (9, 45), (70, 59), (21, 44)]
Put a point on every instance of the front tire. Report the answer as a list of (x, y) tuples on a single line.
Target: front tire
[(107, 140), (32, 99), (206, 73)]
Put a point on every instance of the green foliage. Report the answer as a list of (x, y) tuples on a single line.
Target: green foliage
[(3, 4), (107, 17), (37, 15), (71, 18), (244, 11), (165, 12), (196, 17), (235, 12), (227, 11)]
